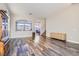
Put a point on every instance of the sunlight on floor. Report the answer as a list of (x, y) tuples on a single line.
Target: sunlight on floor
[(37, 38)]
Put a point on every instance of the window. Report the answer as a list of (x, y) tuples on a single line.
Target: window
[(23, 25)]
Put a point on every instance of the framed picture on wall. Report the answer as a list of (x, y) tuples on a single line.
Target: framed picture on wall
[(23, 25)]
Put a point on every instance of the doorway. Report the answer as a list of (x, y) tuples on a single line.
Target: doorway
[(39, 27)]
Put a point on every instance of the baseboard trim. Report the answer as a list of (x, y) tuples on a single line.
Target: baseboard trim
[(20, 38), (73, 45), (73, 42)]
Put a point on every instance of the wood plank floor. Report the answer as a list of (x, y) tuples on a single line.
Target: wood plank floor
[(40, 47)]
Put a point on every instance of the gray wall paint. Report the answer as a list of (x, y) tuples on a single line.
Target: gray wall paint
[(65, 21)]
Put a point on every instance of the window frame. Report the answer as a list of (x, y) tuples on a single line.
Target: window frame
[(24, 22)]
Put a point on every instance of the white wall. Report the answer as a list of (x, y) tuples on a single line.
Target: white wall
[(65, 21), (3, 6), (17, 13), (43, 25), (20, 34)]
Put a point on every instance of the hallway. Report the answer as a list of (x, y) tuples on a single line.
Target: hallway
[(45, 47)]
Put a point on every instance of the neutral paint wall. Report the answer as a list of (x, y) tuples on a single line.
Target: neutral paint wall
[(17, 13), (3, 6), (20, 15), (43, 25), (20, 34), (65, 21)]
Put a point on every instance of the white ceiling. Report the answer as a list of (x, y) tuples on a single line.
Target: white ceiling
[(37, 9)]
